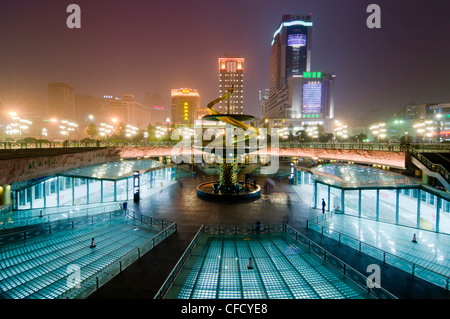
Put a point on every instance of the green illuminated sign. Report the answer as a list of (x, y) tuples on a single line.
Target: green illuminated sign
[(310, 115), (312, 75)]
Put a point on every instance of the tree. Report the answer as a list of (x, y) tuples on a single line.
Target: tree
[(361, 137), (92, 130), (405, 139), (325, 138)]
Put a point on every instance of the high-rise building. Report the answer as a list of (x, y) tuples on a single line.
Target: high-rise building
[(231, 73), (127, 110), (159, 112), (296, 93), (185, 105), (291, 50), (61, 101)]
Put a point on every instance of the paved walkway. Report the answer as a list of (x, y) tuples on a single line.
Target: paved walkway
[(180, 203)]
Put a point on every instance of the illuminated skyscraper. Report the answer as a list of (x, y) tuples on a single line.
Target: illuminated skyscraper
[(296, 93), (185, 105), (291, 50), (231, 73)]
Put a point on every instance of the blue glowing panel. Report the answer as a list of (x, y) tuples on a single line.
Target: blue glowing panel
[(312, 98), (296, 40)]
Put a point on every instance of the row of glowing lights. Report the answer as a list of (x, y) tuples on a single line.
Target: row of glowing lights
[(425, 127), (15, 128), (379, 130), (66, 126), (310, 131), (341, 129)]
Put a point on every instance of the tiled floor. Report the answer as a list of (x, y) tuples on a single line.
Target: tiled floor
[(431, 251), (180, 203), (282, 269), (41, 267)]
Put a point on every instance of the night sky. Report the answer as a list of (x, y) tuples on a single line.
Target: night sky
[(140, 46)]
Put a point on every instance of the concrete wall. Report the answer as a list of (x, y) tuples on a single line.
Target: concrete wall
[(26, 168)]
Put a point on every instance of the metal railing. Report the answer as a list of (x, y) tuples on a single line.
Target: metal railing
[(25, 232), (437, 168), (94, 282), (148, 220), (338, 264), (178, 266), (60, 214), (349, 272), (394, 147), (398, 262), (242, 230)]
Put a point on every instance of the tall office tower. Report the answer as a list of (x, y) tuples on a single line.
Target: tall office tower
[(127, 110), (291, 50), (231, 73), (61, 101), (290, 57), (185, 106)]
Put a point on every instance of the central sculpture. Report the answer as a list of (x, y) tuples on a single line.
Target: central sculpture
[(229, 147)]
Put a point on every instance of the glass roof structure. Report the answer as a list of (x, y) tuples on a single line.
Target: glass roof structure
[(114, 170), (358, 176)]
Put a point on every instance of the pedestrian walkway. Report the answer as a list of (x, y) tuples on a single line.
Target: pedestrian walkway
[(263, 266), (62, 264), (180, 203), (430, 254)]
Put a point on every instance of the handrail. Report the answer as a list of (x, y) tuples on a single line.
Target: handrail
[(27, 221), (347, 270), (413, 265), (242, 229), (116, 266), (395, 147), (147, 219), (178, 266), (26, 229), (438, 168)]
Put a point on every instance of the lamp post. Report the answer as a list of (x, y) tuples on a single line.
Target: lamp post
[(19, 126), (438, 127), (67, 127)]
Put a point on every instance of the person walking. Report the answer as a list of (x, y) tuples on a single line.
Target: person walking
[(323, 206)]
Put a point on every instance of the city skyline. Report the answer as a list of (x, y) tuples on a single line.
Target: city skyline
[(118, 50)]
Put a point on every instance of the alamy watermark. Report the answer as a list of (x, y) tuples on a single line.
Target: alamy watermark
[(374, 279), (217, 145), (73, 21), (374, 19)]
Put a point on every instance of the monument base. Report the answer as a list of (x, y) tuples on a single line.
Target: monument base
[(241, 191)]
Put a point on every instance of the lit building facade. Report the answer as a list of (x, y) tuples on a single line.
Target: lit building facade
[(308, 99), (297, 94), (291, 50), (127, 110), (61, 101), (231, 73), (185, 105)]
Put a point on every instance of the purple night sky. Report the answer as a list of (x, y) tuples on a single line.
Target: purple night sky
[(141, 46)]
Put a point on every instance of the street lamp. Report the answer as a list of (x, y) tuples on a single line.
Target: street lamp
[(438, 126), (105, 129), (18, 126), (67, 127)]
